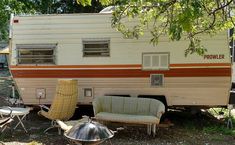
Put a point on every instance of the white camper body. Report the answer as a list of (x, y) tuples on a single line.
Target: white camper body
[(45, 48)]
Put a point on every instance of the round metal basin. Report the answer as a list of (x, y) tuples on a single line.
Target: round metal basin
[(89, 133)]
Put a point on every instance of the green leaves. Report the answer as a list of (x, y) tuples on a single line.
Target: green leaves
[(190, 18), (175, 31), (84, 2), (88, 2), (12, 6), (195, 47)]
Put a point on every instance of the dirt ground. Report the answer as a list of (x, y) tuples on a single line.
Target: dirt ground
[(187, 130)]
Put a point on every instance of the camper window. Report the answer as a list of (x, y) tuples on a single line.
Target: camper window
[(95, 48), (36, 54), (155, 61)]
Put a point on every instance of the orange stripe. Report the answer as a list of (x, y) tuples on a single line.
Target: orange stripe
[(121, 73), (120, 65)]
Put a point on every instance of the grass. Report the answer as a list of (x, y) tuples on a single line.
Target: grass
[(189, 125), (222, 129), (207, 122), (213, 128), (217, 138), (219, 111)]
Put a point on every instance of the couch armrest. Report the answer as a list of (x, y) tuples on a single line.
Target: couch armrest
[(96, 106), (161, 110), (160, 113)]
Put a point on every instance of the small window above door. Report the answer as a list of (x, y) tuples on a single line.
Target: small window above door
[(155, 61)]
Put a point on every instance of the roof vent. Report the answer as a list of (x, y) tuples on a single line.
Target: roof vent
[(108, 10)]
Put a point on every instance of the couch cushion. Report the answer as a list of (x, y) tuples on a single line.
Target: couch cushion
[(105, 103), (130, 105), (143, 106), (127, 118), (117, 104)]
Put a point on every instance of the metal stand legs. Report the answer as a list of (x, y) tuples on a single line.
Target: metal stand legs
[(20, 122), (230, 123), (54, 125)]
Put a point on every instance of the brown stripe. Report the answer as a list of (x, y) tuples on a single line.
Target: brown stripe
[(121, 73)]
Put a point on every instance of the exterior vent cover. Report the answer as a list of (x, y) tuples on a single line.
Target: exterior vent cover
[(157, 80)]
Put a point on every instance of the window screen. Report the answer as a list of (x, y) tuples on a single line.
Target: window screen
[(94, 48), (36, 54)]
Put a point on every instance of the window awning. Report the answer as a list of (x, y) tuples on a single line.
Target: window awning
[(40, 46)]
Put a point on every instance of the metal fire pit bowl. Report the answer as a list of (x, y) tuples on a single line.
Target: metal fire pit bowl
[(89, 133)]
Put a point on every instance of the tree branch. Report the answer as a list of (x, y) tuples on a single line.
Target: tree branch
[(214, 16), (208, 28), (221, 7)]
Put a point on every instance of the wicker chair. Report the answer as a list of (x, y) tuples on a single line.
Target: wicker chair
[(63, 105)]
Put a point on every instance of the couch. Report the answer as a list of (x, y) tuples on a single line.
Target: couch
[(133, 110)]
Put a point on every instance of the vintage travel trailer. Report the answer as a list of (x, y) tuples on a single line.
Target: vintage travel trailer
[(45, 48)]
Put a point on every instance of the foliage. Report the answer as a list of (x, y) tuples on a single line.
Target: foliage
[(220, 128), (6, 8), (89, 2), (64, 6), (212, 129), (219, 112), (178, 19)]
